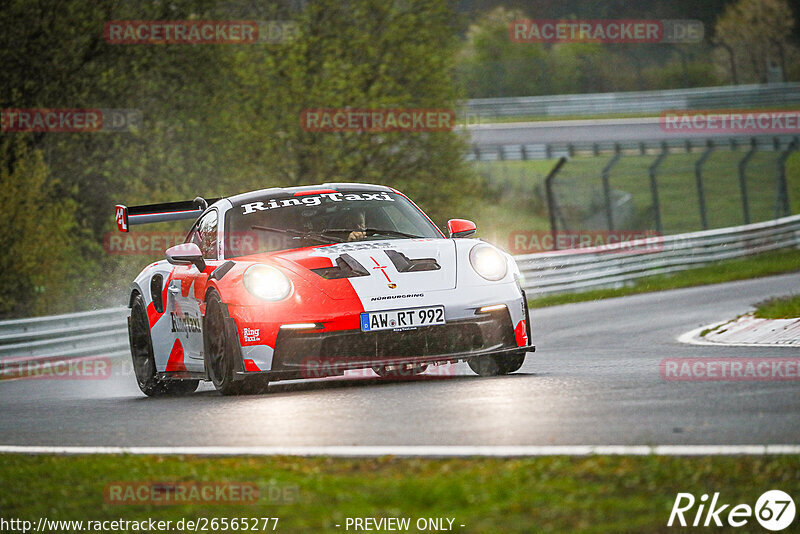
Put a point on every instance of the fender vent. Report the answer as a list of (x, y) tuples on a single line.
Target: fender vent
[(404, 264), (155, 292), (346, 267)]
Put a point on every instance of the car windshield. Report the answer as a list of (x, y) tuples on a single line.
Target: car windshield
[(285, 222)]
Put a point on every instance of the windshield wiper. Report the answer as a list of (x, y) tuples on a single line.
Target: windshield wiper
[(316, 236), (373, 231)]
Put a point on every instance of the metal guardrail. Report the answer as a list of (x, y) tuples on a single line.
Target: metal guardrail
[(621, 264), (63, 337), (773, 143), (104, 332), (733, 96)]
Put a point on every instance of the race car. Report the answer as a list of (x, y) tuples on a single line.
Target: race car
[(315, 281)]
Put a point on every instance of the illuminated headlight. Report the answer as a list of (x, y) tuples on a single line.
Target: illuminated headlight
[(267, 283), (488, 261)]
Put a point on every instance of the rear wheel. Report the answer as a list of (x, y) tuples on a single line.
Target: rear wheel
[(144, 363), (221, 353), (497, 365)]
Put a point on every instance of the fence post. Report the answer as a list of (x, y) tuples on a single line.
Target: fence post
[(551, 200), (698, 175), (783, 189), (743, 179), (607, 187), (654, 187)]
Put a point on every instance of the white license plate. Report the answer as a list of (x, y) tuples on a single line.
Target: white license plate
[(406, 318)]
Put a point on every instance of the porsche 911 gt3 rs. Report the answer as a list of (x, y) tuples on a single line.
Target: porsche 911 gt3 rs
[(301, 282)]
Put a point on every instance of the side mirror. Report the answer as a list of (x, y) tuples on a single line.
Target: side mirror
[(186, 254), (461, 228)]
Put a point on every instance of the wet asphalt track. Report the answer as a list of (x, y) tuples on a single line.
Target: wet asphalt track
[(577, 131), (594, 380)]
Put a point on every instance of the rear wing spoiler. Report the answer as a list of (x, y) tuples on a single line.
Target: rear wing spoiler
[(128, 216)]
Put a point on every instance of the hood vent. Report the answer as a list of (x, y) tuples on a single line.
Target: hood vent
[(346, 267), (404, 264)]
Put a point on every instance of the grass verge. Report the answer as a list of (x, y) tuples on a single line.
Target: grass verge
[(779, 308), (595, 494), (779, 262)]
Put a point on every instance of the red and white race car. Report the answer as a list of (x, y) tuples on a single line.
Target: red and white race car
[(300, 282)]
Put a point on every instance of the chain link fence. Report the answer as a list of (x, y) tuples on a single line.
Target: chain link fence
[(706, 185)]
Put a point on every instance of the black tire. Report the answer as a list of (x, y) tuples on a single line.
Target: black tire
[(144, 362), (221, 353), (497, 365)]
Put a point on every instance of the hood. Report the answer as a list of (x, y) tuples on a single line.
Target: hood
[(388, 267)]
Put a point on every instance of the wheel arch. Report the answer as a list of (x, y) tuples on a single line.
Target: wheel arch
[(134, 290)]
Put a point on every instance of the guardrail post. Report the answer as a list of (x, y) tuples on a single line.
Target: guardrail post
[(607, 187), (782, 188), (698, 175), (551, 199), (524, 152), (743, 179), (654, 187)]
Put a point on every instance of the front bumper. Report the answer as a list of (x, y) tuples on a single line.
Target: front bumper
[(329, 353)]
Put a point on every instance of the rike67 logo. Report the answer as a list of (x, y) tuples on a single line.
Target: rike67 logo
[(774, 510)]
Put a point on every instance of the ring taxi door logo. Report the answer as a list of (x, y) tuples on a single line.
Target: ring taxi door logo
[(774, 510)]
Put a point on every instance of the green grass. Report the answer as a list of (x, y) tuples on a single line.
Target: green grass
[(779, 308), (515, 205), (595, 494), (771, 263)]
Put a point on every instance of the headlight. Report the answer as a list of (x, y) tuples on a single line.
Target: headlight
[(267, 282), (488, 262)]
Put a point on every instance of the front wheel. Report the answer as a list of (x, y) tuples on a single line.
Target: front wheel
[(144, 363), (497, 365), (221, 353)]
